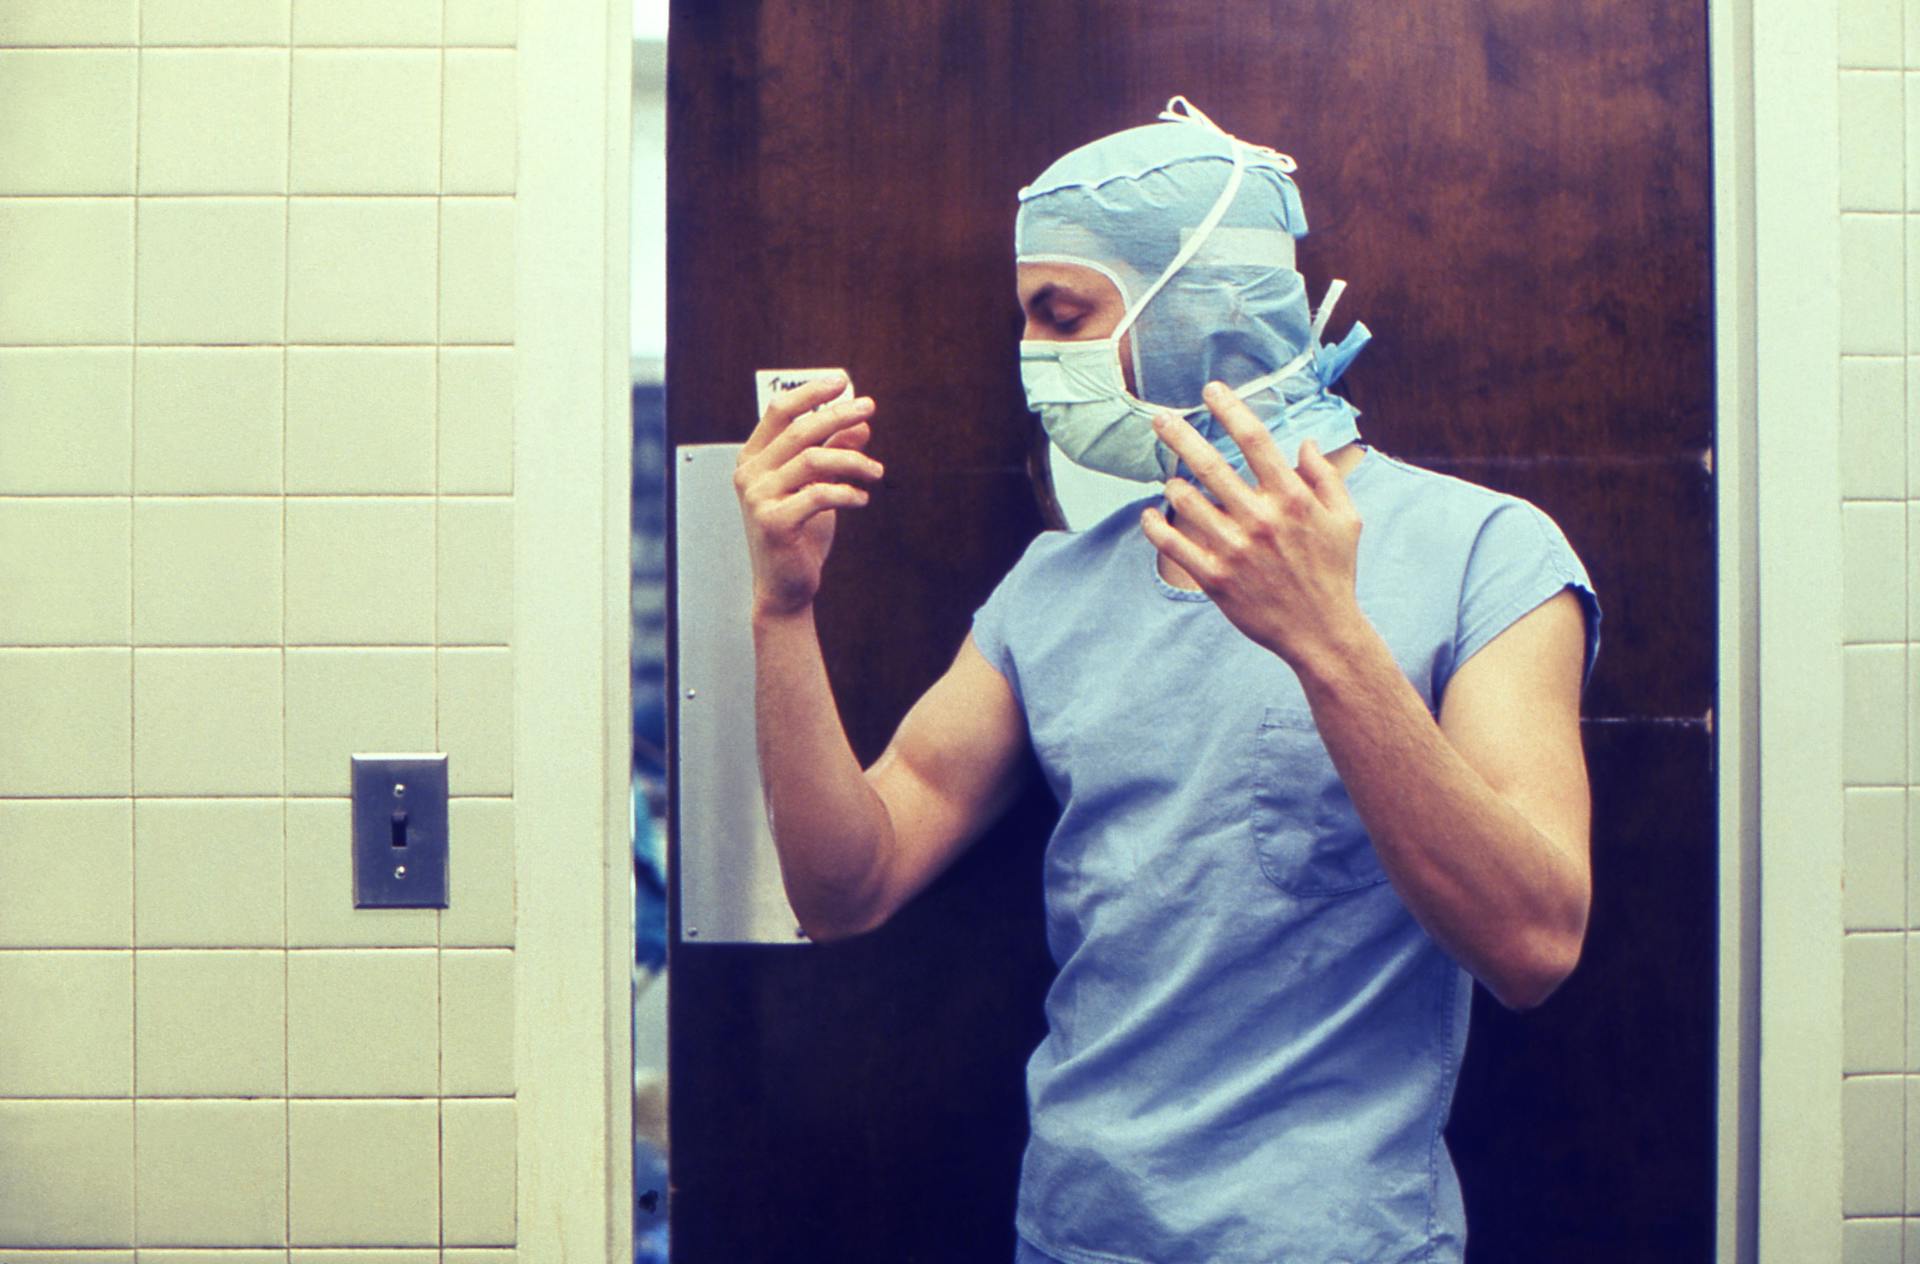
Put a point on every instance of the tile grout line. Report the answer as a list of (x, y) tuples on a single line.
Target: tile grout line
[(345, 646), (112, 46), (254, 195), (258, 797), (1906, 334), (472, 1095), (88, 497), (133, 717), (299, 950), (1906, 342), (439, 917), (395, 345), (286, 858)]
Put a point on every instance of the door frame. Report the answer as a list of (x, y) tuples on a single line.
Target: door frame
[(1775, 83), (572, 711)]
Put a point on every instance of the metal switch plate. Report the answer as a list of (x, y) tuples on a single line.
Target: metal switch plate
[(400, 831)]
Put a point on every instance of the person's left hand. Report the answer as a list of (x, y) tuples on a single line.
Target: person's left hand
[(1277, 557)]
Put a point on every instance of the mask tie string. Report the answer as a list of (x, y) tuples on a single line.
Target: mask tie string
[(1194, 242), (1334, 291), (1181, 110), (1333, 360), (1310, 356)]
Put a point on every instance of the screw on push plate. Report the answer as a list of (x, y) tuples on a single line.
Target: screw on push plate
[(399, 789), (399, 871)]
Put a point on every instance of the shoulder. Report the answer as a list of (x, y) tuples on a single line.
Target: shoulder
[(1505, 554), (1060, 575), (1064, 557), (1438, 510)]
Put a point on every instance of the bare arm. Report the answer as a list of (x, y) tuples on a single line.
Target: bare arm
[(854, 846), (1480, 819)]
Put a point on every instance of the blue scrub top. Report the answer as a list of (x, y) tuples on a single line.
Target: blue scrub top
[(1252, 1046)]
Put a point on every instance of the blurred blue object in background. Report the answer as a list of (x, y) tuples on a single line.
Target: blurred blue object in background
[(649, 563), (649, 886), (649, 674), (647, 801)]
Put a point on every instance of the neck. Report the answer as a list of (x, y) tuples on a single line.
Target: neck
[(1343, 459)]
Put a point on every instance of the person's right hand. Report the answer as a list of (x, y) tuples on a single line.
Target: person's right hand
[(800, 465)]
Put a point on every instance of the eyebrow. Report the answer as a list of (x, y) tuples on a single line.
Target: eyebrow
[(1052, 290)]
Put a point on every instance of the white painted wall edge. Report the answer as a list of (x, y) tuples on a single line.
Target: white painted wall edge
[(572, 455), (1736, 703), (1796, 351), (616, 587)]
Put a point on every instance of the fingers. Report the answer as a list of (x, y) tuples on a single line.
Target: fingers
[(810, 429), (1202, 521), (1177, 548), (788, 405), (1247, 430), (1207, 465), (854, 436), (819, 465), (811, 466), (1318, 474), (788, 514)]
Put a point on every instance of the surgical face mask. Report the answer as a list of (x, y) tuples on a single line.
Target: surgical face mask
[(1080, 393), (1082, 398)]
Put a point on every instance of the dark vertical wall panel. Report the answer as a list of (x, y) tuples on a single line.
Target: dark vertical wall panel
[(1517, 191)]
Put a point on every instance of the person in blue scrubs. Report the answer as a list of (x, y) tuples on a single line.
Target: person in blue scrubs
[(1311, 714)]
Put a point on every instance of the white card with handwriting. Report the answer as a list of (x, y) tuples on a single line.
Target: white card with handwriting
[(770, 382)]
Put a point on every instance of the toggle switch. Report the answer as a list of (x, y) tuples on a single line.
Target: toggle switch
[(400, 831)]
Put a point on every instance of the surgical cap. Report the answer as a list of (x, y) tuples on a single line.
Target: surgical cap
[(1126, 204)]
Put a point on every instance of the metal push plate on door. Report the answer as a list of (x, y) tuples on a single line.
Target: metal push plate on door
[(729, 873), (400, 831)]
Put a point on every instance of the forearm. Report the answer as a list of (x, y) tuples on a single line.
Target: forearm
[(1486, 883), (830, 828)]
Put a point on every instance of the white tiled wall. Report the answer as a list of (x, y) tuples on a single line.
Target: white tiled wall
[(1880, 482), (256, 514)]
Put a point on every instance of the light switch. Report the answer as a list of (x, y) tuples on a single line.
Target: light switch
[(400, 831)]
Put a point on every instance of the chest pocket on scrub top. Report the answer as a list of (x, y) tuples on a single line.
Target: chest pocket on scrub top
[(1309, 838)]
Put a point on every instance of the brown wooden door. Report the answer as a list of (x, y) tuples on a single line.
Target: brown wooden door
[(1518, 192)]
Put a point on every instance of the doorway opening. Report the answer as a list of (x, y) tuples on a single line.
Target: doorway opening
[(648, 542)]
